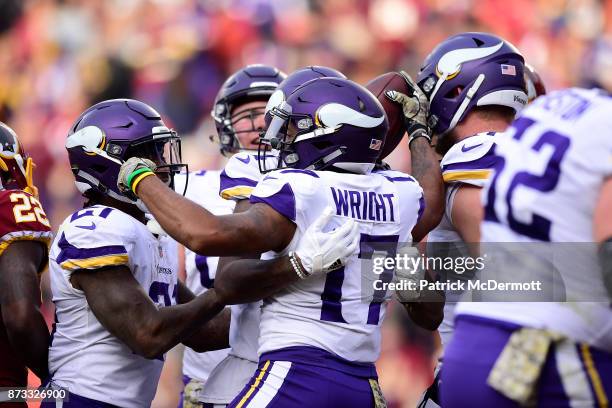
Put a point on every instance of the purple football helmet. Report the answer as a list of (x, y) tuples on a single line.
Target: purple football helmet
[(297, 79), (326, 124), (251, 83), (110, 132), (469, 70)]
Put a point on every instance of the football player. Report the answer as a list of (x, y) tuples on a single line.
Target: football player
[(238, 113), (551, 186), (320, 336), (240, 175), (475, 85), (119, 306), (24, 238)]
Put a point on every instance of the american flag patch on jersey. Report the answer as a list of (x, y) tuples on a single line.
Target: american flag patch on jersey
[(375, 144), (508, 69)]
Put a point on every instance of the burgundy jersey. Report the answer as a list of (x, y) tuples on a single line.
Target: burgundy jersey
[(21, 218)]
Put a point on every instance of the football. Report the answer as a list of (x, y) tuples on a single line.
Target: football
[(378, 86)]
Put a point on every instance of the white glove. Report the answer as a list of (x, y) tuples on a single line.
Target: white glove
[(322, 252), (409, 275), (127, 174)]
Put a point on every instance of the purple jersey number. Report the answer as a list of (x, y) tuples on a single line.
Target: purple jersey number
[(539, 227), (331, 308), (159, 290), (201, 263)]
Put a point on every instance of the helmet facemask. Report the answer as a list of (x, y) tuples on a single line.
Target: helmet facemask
[(16, 168), (165, 151), (286, 129)]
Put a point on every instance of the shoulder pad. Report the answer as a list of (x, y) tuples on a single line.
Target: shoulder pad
[(239, 177), (95, 237), (280, 188), (471, 160), (395, 176), (22, 218)]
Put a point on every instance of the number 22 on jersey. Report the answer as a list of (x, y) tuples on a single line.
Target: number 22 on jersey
[(28, 209)]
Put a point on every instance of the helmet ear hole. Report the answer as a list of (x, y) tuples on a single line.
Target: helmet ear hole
[(323, 144), (453, 93), (99, 168)]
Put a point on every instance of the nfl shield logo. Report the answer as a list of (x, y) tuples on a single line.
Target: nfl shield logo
[(375, 144), (161, 251)]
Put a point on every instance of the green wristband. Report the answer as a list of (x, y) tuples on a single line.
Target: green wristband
[(135, 174)]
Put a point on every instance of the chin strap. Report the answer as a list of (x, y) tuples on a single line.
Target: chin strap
[(324, 161), (466, 101)]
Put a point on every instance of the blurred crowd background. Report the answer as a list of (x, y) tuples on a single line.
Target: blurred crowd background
[(57, 57)]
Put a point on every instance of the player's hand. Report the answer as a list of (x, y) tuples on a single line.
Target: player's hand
[(410, 278), (415, 108), (132, 171), (323, 252)]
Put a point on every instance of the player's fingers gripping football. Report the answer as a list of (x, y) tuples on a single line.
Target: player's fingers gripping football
[(410, 105), (415, 108), (132, 172)]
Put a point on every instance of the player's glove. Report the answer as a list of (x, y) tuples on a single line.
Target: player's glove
[(410, 274), (322, 252), (132, 172), (415, 108)]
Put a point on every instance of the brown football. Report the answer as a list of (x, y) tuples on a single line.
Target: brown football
[(387, 82)]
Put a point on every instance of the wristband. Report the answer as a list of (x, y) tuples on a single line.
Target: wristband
[(139, 178), (419, 133), (135, 173), (297, 267)]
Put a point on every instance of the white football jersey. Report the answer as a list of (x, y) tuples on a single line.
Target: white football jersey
[(336, 312), (84, 357), (203, 189), (238, 179), (470, 161), (556, 156)]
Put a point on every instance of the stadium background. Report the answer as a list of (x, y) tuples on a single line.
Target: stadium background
[(59, 56)]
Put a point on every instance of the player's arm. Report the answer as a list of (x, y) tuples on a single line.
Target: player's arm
[(466, 215), (425, 166), (426, 170), (212, 335), (20, 303), (602, 230), (428, 311), (248, 279), (258, 230), (125, 310), (425, 306)]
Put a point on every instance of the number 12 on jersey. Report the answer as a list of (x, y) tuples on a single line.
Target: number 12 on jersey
[(539, 227)]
